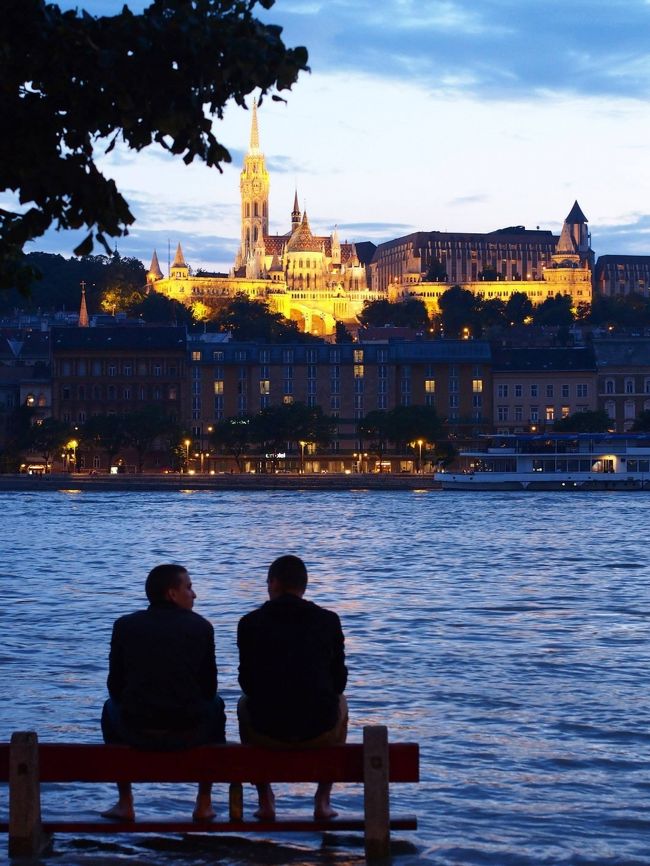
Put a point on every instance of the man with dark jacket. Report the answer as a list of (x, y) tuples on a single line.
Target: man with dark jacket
[(162, 680), (292, 672)]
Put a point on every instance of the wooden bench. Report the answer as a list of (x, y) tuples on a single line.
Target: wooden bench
[(25, 763)]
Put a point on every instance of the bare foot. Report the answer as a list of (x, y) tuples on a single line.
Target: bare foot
[(203, 814), (324, 813), (266, 810), (120, 812), (322, 809)]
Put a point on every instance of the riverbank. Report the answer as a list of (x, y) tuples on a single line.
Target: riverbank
[(158, 483)]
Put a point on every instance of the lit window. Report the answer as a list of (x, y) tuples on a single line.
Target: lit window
[(550, 413), (430, 386), (218, 386), (358, 356), (358, 369), (265, 386), (477, 386), (196, 356)]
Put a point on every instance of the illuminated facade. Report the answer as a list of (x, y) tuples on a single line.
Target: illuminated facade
[(315, 280), (494, 265)]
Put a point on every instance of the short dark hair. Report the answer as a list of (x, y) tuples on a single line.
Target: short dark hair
[(160, 579), (290, 572)]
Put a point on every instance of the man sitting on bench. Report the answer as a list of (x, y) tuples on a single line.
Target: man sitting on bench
[(292, 672), (162, 681)]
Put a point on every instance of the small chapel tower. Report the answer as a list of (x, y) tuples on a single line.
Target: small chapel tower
[(83, 321), (254, 192)]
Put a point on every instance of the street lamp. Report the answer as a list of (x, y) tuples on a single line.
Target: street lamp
[(187, 443), (302, 456), (420, 443)]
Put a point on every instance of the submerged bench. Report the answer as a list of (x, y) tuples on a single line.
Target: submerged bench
[(25, 763)]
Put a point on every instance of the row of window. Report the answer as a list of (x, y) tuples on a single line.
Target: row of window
[(629, 386), (504, 390), (288, 356), (111, 392), (82, 367)]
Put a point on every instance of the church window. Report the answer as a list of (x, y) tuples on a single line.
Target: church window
[(255, 209)]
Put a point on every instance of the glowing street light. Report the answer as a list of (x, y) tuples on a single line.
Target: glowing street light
[(302, 444), (187, 443)]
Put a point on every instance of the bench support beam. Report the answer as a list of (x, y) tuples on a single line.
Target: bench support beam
[(375, 793), (26, 836)]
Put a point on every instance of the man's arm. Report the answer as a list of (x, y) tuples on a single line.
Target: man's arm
[(208, 677), (245, 667), (338, 669), (116, 674)]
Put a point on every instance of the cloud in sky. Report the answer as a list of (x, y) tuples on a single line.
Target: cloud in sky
[(438, 114), (501, 48)]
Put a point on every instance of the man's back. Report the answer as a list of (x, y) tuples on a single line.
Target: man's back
[(292, 667), (162, 666)]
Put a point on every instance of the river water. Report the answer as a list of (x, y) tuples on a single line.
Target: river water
[(508, 633)]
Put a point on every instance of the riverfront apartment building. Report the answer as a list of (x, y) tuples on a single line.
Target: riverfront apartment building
[(623, 379), (347, 381), (532, 388), (622, 275)]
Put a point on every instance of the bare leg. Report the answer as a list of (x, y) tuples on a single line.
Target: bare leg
[(322, 808), (203, 810), (266, 810), (123, 810)]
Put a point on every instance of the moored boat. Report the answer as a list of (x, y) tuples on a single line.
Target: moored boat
[(554, 461)]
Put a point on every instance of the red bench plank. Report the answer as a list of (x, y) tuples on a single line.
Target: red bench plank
[(62, 762)]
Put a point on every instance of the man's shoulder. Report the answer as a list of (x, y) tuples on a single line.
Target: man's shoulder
[(140, 617)]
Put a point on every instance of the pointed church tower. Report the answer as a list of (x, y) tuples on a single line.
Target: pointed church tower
[(573, 245), (154, 273), (254, 192), (295, 214), (179, 269), (336, 247), (83, 309)]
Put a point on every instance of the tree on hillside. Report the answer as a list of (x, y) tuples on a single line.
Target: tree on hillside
[(519, 307), (72, 82), (554, 311), (458, 310), (591, 421), (60, 284), (410, 313), (248, 319), (156, 308)]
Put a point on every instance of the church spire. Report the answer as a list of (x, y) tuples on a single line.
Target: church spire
[(154, 272), (179, 258), (83, 309), (255, 135), (295, 213)]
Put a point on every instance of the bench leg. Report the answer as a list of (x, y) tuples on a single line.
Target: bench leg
[(236, 801), (375, 793), (26, 836)]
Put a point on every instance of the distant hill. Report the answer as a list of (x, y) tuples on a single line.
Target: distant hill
[(60, 283)]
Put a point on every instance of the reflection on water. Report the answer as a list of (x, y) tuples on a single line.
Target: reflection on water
[(507, 633)]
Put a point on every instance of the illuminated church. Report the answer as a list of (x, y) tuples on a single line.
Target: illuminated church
[(317, 280), (313, 279)]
